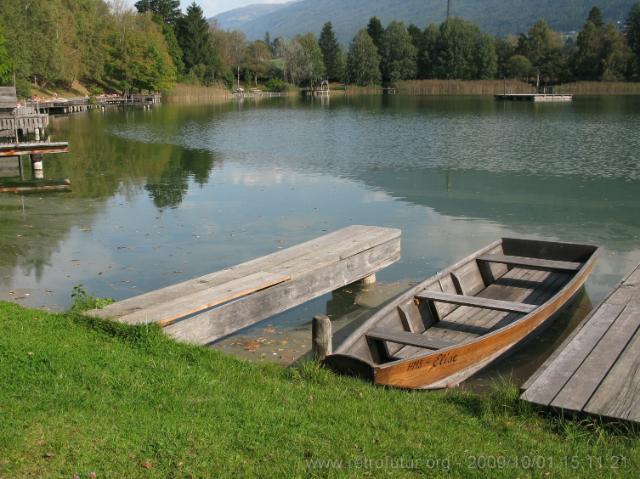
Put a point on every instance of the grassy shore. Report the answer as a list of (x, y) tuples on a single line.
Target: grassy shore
[(96, 399)]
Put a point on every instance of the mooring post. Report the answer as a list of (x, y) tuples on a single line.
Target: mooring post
[(321, 337), (371, 279), (36, 167)]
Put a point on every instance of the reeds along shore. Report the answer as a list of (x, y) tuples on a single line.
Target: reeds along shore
[(191, 94), (600, 88), (492, 87), (462, 87)]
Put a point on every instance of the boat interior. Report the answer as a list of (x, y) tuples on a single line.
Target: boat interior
[(477, 296)]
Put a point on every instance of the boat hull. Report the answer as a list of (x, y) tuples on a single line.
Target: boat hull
[(448, 366)]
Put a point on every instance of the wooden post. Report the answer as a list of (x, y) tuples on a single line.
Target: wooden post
[(321, 337), (371, 279), (36, 166)]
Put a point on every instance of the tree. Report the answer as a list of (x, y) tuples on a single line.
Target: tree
[(331, 53), (595, 17), (463, 52), (200, 58), (616, 55), (543, 47), (428, 56), (398, 55), (518, 66), (168, 11), (505, 50), (363, 62), (587, 61), (5, 62), (633, 34), (138, 56), (375, 31), (313, 68), (258, 60)]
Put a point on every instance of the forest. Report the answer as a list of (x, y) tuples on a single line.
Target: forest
[(108, 46)]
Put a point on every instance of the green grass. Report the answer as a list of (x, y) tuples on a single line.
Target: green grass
[(82, 396)]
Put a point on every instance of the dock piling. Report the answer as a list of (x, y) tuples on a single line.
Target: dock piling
[(321, 337)]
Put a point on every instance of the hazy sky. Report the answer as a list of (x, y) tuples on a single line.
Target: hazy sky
[(213, 7)]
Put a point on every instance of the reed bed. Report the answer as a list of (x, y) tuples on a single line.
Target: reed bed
[(600, 88), (194, 94), (462, 87)]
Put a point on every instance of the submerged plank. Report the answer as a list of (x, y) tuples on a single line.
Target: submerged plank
[(484, 303)]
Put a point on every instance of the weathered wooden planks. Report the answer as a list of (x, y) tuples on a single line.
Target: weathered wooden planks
[(476, 302), (597, 369), (534, 263), (207, 308), (409, 339)]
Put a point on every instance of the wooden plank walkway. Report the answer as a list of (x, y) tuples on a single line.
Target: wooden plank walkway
[(205, 309), (597, 368)]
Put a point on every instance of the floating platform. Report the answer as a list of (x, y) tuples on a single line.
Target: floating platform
[(597, 368), (534, 97), (208, 308)]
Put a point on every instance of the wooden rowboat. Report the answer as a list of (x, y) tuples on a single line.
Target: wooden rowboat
[(450, 326)]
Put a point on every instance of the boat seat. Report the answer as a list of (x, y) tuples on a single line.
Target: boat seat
[(483, 303), (408, 339), (531, 263)]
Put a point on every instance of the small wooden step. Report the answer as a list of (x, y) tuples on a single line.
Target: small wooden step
[(484, 303), (408, 339), (532, 263)]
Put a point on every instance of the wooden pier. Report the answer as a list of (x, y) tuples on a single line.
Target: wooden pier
[(535, 97), (597, 368), (205, 309), (33, 148)]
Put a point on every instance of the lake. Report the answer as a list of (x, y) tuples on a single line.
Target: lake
[(164, 195)]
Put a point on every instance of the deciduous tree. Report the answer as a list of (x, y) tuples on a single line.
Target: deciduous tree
[(363, 61), (398, 54)]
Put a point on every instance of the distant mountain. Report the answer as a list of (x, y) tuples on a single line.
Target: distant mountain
[(499, 17), (236, 18)]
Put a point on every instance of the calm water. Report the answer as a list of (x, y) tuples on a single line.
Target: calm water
[(165, 195)]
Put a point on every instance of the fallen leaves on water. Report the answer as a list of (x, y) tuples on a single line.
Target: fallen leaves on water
[(252, 345)]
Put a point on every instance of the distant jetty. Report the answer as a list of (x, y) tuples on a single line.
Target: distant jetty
[(535, 97)]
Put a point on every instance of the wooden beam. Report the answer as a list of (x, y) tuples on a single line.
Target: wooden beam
[(315, 268), (408, 339), (532, 263), (167, 313), (477, 302)]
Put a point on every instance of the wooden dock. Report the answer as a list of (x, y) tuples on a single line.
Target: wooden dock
[(33, 148), (597, 368), (205, 309), (535, 97)]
